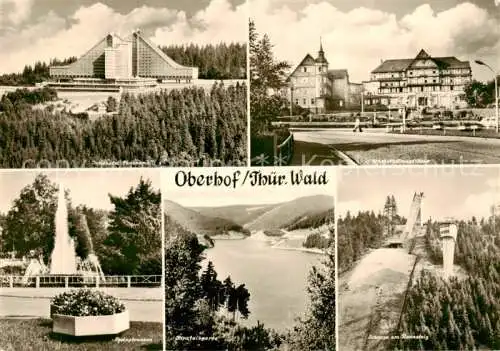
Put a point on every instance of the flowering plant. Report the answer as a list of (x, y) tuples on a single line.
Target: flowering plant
[(85, 302)]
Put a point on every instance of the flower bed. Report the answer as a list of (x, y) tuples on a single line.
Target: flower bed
[(88, 312)]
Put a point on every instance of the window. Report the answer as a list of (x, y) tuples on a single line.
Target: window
[(305, 69), (320, 68), (312, 101), (411, 73), (451, 87), (297, 101), (305, 101), (421, 88), (433, 81), (400, 90)]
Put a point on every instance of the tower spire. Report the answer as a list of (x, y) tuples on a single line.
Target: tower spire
[(321, 54)]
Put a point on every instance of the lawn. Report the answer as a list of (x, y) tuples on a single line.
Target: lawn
[(36, 334)]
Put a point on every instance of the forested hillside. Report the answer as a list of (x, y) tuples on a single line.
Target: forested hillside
[(313, 221), (178, 127), (196, 222), (356, 235), (461, 313), (221, 61), (30, 75)]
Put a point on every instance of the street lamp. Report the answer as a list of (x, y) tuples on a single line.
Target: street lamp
[(479, 62), (362, 102)]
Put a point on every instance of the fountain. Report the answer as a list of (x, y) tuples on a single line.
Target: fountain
[(63, 257)]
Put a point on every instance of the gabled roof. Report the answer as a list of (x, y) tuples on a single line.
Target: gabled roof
[(307, 60), (451, 62), (338, 73), (422, 55), (398, 65)]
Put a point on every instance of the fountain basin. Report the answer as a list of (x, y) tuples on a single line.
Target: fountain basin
[(90, 325)]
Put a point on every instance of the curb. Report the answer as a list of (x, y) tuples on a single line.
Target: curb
[(346, 158)]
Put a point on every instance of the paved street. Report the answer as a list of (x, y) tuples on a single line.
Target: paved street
[(144, 304), (376, 147)]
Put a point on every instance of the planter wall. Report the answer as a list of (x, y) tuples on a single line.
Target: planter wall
[(91, 325)]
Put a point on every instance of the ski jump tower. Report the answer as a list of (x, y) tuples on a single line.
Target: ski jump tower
[(448, 234), (414, 222)]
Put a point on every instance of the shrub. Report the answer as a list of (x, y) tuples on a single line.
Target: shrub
[(85, 302)]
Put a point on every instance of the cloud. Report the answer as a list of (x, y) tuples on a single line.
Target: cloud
[(53, 36), (358, 39), (16, 11), (218, 22)]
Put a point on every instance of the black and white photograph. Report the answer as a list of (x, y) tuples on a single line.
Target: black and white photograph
[(362, 82), (418, 258), (81, 260), (104, 83), (249, 268)]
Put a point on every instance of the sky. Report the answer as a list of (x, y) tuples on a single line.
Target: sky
[(38, 30), (241, 195), (87, 187), (459, 192), (358, 34)]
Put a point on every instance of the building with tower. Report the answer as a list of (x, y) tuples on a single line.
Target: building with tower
[(312, 86), (422, 81)]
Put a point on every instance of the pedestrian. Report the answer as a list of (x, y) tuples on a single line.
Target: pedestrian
[(357, 125)]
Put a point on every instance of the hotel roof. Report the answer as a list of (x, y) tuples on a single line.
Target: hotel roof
[(398, 65)]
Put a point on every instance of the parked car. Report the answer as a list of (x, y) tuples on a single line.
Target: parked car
[(489, 122), (438, 126)]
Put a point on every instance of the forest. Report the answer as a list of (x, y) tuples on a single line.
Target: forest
[(201, 310), (357, 234), (37, 73), (188, 127), (26, 97), (220, 61), (121, 238), (314, 221), (462, 313)]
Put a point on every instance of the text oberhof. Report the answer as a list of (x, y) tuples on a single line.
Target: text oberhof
[(251, 177)]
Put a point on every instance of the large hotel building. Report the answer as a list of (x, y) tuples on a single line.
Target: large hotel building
[(423, 81), (113, 62)]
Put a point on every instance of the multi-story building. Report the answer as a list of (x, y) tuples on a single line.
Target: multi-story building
[(423, 81), (116, 58), (313, 86), (308, 83)]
